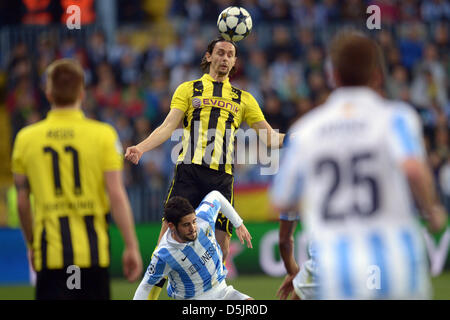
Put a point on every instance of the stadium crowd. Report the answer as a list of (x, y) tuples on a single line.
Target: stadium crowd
[(282, 63)]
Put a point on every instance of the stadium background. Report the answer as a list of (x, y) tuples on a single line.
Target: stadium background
[(135, 53)]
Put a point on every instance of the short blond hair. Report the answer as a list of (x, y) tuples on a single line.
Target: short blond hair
[(354, 57), (65, 81)]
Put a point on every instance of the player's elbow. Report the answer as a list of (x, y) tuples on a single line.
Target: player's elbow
[(414, 171), (214, 194)]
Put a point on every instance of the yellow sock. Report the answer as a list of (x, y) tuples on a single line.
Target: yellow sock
[(156, 290)]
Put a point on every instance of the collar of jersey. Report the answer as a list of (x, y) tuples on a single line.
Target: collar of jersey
[(65, 113), (206, 76), (353, 93)]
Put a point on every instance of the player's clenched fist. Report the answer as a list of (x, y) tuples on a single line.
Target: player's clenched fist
[(133, 154)]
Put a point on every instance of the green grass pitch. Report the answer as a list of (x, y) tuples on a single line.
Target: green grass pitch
[(260, 287)]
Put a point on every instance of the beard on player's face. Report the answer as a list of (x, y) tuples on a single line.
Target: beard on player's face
[(187, 234)]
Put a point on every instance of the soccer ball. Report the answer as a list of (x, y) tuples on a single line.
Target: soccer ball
[(234, 23)]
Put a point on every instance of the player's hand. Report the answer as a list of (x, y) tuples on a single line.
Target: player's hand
[(132, 264), (31, 258), (133, 154), (244, 235), (286, 288)]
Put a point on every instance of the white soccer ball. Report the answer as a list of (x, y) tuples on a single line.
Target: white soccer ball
[(234, 23)]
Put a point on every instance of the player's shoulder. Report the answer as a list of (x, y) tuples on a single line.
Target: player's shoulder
[(30, 131), (308, 120), (402, 109), (188, 84), (99, 126), (163, 250)]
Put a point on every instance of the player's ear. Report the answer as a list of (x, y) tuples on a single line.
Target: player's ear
[(47, 94), (233, 61), (208, 56), (82, 94), (171, 226)]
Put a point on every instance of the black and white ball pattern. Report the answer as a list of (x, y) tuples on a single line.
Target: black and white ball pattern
[(234, 23)]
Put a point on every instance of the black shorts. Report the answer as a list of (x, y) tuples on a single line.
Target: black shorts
[(194, 182), (61, 284)]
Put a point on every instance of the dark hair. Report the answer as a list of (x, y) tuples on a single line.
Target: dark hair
[(354, 57), (176, 208), (65, 79), (204, 65)]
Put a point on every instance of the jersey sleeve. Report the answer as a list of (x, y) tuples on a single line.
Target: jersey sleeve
[(210, 206), (17, 162), (406, 139), (287, 185), (252, 112), (157, 270), (290, 216), (112, 150), (208, 209), (180, 98)]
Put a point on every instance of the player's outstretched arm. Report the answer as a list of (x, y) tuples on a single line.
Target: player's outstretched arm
[(268, 135), (122, 215), (24, 209), (286, 245), (157, 137), (229, 212), (421, 183)]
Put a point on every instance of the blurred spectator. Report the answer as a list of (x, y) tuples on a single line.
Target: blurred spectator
[(273, 113), (306, 14), (22, 104), (397, 82), (106, 92), (409, 11), (353, 11), (19, 64), (282, 43), (389, 11), (256, 65), (427, 92), (68, 48), (132, 101), (327, 12), (441, 38), (278, 11), (129, 68), (304, 40), (435, 10), (411, 45), (179, 52), (96, 49)]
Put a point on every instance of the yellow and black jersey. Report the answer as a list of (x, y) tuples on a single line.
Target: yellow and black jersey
[(64, 158), (213, 112)]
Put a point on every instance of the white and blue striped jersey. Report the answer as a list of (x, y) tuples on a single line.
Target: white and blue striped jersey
[(343, 167), (192, 267)]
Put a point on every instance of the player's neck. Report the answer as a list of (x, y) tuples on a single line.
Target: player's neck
[(218, 77), (75, 106)]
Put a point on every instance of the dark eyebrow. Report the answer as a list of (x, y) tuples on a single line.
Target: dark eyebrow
[(220, 49)]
